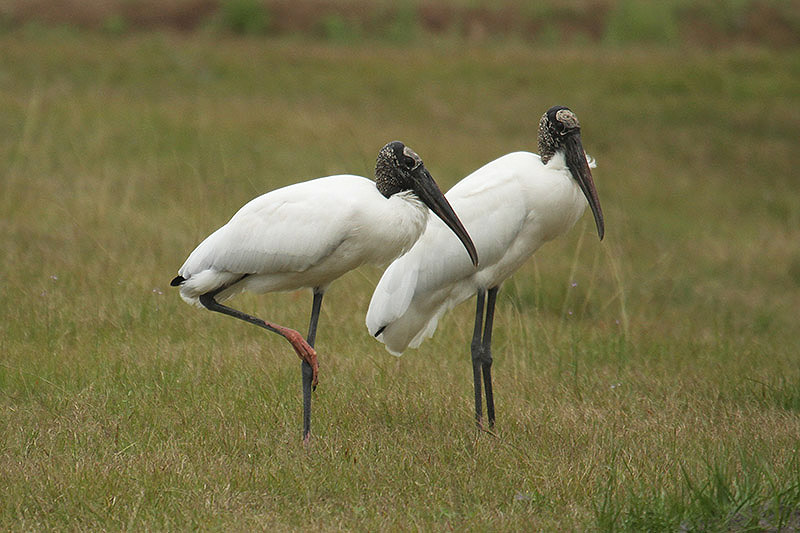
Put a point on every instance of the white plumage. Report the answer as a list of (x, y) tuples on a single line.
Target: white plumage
[(303, 235), (309, 234), (510, 207)]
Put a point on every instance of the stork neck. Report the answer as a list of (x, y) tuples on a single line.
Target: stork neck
[(388, 188), (545, 141), (388, 181), (546, 153)]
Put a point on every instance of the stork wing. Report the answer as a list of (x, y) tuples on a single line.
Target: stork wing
[(286, 230)]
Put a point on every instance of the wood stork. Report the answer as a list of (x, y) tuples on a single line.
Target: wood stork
[(510, 206), (308, 234)]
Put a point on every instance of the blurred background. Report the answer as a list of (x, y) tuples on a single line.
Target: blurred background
[(705, 23)]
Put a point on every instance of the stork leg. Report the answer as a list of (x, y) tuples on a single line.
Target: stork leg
[(481, 348), (303, 349), (476, 348), (307, 371), (487, 354)]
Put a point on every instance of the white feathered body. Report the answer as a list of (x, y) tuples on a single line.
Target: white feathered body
[(510, 207), (303, 235)]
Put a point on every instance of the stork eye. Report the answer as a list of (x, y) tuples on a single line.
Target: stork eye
[(408, 163), (560, 127)]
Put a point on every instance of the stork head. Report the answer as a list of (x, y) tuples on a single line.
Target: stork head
[(399, 169), (560, 131)]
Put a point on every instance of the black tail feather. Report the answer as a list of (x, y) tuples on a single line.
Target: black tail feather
[(177, 280)]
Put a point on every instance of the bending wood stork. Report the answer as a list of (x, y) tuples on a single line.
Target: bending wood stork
[(308, 234), (510, 206)]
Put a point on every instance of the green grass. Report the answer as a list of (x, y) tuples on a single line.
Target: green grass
[(660, 392)]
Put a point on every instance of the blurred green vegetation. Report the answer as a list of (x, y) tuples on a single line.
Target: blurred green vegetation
[(775, 23), (244, 16)]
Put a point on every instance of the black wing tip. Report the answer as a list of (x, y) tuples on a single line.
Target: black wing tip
[(177, 280), (380, 330)]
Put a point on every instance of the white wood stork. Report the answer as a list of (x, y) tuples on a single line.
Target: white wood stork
[(308, 234), (510, 206)]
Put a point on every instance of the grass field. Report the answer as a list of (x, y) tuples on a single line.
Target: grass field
[(648, 382)]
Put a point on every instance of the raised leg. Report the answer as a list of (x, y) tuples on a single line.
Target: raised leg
[(306, 370), (303, 348), (304, 351), (477, 348)]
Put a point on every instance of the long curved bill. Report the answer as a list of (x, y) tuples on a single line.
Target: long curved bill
[(576, 162), (429, 192)]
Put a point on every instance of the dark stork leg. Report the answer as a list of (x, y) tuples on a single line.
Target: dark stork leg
[(476, 348), (487, 354), (303, 348), (482, 354), (307, 371)]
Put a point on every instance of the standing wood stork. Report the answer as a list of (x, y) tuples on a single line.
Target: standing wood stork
[(510, 206), (308, 234)]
